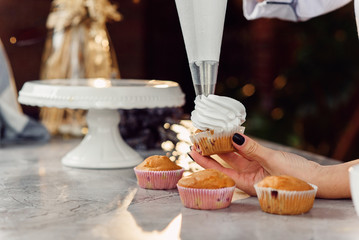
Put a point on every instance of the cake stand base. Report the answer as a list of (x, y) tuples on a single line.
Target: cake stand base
[(103, 146)]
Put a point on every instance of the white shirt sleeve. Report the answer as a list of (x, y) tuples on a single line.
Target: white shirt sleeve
[(292, 10)]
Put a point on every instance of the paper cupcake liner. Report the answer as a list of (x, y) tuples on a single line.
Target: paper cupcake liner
[(285, 202), (214, 142), (206, 198), (158, 179)]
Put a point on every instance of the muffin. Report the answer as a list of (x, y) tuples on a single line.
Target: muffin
[(158, 172), (206, 189), (216, 119), (212, 141), (285, 195)]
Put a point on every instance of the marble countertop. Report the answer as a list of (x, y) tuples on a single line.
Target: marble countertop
[(41, 199)]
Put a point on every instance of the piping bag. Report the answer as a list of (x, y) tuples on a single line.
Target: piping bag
[(202, 24)]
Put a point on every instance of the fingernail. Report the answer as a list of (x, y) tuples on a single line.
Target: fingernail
[(189, 155), (238, 139)]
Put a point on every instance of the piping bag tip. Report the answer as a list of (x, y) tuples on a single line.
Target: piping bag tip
[(204, 76)]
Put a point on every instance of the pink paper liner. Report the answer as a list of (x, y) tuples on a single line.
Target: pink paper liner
[(158, 179), (208, 199)]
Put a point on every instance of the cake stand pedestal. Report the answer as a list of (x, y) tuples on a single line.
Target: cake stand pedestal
[(103, 146)]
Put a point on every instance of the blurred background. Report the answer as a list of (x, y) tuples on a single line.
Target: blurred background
[(298, 81)]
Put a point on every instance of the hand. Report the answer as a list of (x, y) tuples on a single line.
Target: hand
[(252, 162)]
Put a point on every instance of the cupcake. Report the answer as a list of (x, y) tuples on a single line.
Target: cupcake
[(216, 119), (206, 189), (158, 172), (285, 195)]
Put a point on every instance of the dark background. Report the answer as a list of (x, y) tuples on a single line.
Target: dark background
[(298, 81)]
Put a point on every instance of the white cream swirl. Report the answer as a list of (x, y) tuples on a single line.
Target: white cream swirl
[(217, 112)]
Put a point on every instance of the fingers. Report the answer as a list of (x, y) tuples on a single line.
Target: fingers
[(207, 162), (252, 150), (243, 181), (240, 180), (234, 159)]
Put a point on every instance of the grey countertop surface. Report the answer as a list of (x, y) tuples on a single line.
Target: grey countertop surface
[(41, 199)]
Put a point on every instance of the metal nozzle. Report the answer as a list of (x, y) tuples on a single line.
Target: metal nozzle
[(204, 76)]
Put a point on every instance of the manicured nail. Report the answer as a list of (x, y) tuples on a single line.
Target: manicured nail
[(189, 155), (238, 139)]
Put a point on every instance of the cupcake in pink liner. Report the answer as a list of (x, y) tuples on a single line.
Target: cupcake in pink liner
[(207, 189), (217, 119), (158, 172), (285, 195)]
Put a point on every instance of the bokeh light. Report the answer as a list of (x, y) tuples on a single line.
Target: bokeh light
[(277, 113), (280, 82), (248, 90), (13, 40)]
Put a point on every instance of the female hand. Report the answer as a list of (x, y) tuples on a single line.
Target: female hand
[(252, 162)]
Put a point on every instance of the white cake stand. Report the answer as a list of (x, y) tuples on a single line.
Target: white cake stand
[(103, 146)]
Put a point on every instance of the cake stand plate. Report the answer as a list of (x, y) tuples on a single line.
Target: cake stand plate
[(103, 146)]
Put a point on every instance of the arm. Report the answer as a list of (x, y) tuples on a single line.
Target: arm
[(252, 162), (334, 180), (292, 10)]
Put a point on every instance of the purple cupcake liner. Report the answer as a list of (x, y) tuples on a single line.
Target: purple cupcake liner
[(208, 199), (158, 179)]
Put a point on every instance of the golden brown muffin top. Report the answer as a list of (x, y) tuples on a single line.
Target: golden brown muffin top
[(285, 182), (157, 163), (208, 179)]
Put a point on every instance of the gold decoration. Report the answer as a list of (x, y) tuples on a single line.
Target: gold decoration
[(78, 46)]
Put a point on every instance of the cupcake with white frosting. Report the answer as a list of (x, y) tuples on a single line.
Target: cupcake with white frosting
[(216, 118)]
